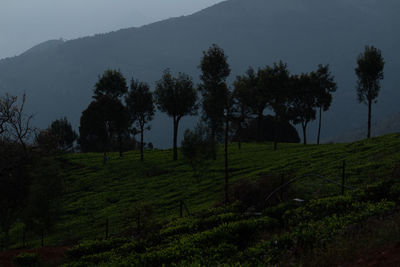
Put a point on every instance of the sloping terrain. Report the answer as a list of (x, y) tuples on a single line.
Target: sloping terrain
[(136, 205), (59, 76)]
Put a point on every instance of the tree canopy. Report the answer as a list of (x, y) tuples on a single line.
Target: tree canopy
[(140, 106), (215, 70), (369, 73), (177, 97), (112, 83)]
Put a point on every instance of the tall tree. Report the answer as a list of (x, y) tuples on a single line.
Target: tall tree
[(15, 157), (215, 70), (325, 85), (176, 97), (302, 102), (112, 83), (101, 123), (242, 100), (369, 73), (274, 83), (140, 105)]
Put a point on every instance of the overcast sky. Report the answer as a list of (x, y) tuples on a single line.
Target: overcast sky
[(25, 23)]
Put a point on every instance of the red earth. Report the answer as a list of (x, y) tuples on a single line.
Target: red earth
[(52, 256), (388, 256)]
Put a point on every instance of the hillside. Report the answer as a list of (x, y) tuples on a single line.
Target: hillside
[(59, 76), (97, 195)]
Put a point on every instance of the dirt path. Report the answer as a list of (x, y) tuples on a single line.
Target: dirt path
[(388, 256), (51, 256)]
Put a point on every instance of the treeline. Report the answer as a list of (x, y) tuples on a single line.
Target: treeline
[(118, 113)]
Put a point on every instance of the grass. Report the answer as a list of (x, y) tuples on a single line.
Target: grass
[(96, 192)]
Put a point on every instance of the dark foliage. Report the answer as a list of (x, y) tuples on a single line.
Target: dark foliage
[(287, 133), (112, 83), (140, 106), (102, 125), (369, 73), (176, 97), (215, 70)]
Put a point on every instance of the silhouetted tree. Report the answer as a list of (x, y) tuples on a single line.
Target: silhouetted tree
[(325, 85), (176, 97), (213, 88), (101, 123), (287, 133), (369, 73), (302, 101), (62, 130), (42, 209), (242, 101), (112, 83), (14, 184), (15, 157), (197, 150), (274, 85), (140, 105)]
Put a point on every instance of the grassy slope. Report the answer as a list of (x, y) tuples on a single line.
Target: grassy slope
[(96, 192)]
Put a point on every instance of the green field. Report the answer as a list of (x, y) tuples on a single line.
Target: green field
[(96, 193)]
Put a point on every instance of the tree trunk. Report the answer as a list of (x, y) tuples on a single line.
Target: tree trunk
[(319, 125), (240, 136), (259, 132), (304, 133), (369, 118), (275, 129), (214, 152), (120, 145), (176, 124), (141, 143), (226, 159)]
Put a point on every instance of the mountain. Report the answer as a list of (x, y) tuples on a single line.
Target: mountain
[(59, 76)]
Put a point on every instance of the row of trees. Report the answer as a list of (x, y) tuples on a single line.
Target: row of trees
[(118, 113)]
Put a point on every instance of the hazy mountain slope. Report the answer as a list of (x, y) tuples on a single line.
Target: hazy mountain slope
[(59, 79)]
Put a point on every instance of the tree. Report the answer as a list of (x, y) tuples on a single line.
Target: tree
[(287, 133), (15, 157), (369, 73), (7, 111), (105, 120), (302, 102), (14, 184), (176, 97), (140, 105), (197, 150), (274, 84), (242, 101), (112, 83), (326, 85), (213, 88), (42, 208), (64, 134)]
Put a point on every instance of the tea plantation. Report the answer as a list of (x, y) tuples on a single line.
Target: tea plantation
[(127, 212)]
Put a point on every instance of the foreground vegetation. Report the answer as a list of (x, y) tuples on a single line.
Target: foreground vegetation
[(137, 205)]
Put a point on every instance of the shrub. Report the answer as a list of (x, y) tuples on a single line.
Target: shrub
[(27, 259), (253, 193)]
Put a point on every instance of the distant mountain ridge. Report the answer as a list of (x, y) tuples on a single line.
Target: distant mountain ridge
[(59, 77)]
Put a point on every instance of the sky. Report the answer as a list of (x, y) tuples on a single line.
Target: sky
[(26, 23)]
